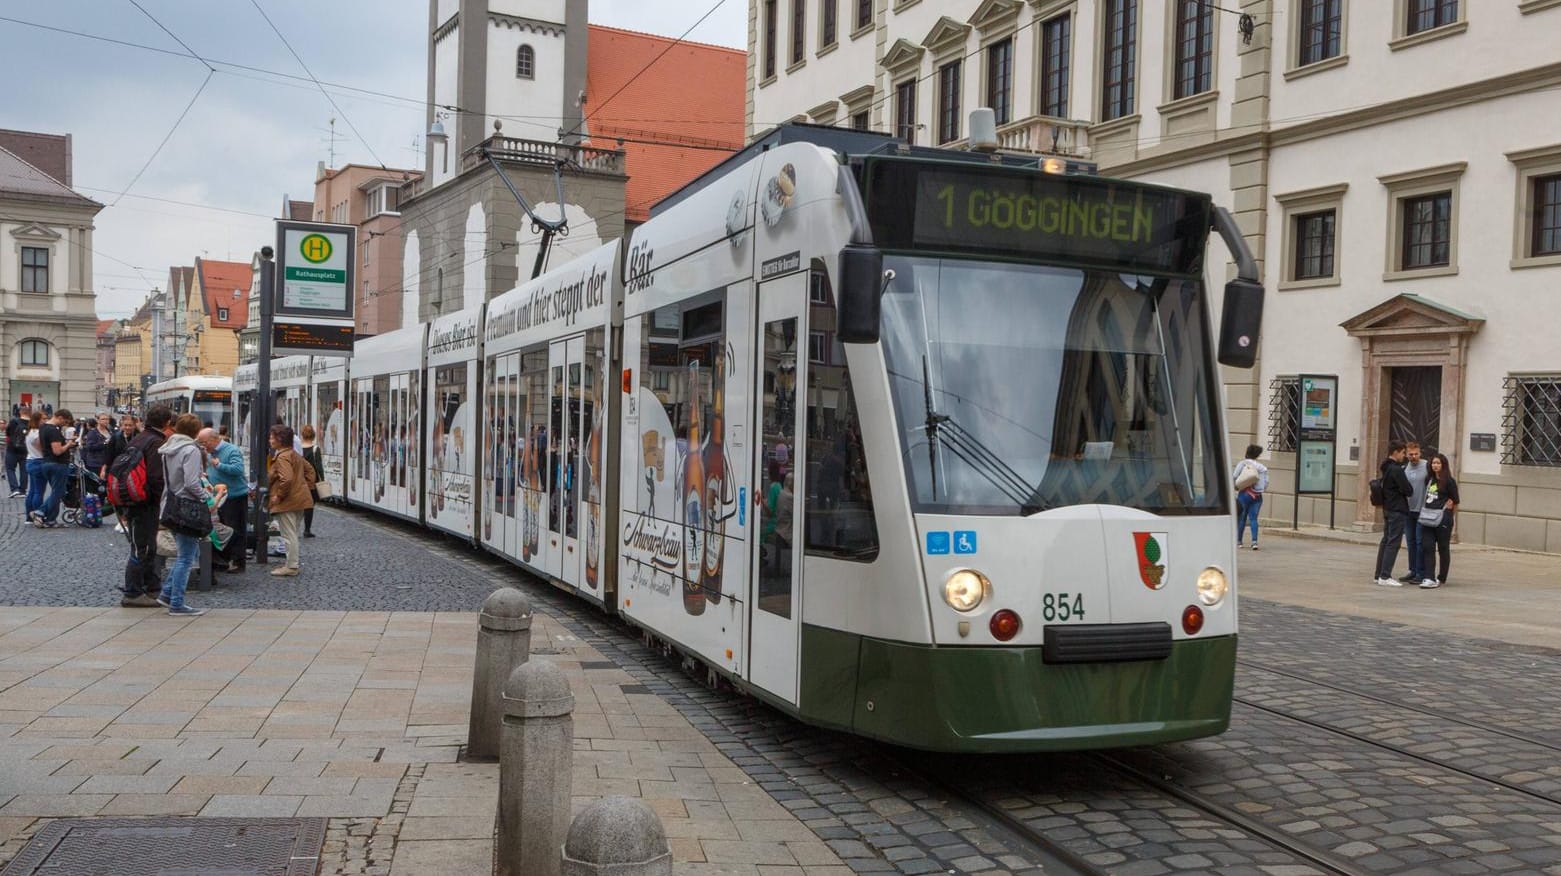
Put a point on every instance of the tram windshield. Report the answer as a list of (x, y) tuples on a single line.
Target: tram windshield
[(1020, 388)]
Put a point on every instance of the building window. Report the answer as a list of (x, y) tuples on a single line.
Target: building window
[(1322, 22), (864, 13), (1546, 216), (1119, 51), (1000, 79), (1056, 40), (828, 11), (1194, 47), (35, 353), (525, 63), (222, 314), (771, 21), (1284, 413), (35, 269), (818, 292), (948, 102), (859, 121), (905, 111), (1531, 420), (1427, 14), (1427, 240), (799, 18), (1314, 245), (818, 348)]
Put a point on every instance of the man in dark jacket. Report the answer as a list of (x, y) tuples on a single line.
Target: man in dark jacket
[(1396, 492), (16, 452), (143, 573)]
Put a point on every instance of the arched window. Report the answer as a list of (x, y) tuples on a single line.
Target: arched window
[(525, 63), (35, 353)]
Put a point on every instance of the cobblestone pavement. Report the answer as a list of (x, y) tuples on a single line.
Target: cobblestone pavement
[(1357, 745)]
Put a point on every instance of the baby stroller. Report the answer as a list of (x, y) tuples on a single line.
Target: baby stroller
[(84, 503)]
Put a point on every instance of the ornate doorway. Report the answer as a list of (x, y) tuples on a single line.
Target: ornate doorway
[(1413, 357)]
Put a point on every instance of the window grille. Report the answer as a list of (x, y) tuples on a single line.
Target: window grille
[(1531, 420), (1284, 413), (525, 63)]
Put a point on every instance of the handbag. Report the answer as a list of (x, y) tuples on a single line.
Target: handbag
[(186, 516), (1248, 477), (166, 546), (322, 490), (1431, 516)]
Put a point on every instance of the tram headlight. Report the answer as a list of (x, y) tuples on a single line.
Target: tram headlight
[(966, 589), (1211, 586)]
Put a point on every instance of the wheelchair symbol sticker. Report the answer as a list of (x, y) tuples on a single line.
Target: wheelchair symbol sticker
[(937, 542), (964, 541)]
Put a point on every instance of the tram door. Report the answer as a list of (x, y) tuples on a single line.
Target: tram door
[(566, 375), (775, 605)]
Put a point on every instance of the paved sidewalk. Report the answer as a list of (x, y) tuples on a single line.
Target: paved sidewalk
[(1494, 594), (353, 716)]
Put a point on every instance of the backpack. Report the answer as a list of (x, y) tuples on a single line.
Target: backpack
[(1379, 496), (127, 478)]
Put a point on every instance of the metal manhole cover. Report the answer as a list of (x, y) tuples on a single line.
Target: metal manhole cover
[(173, 847)]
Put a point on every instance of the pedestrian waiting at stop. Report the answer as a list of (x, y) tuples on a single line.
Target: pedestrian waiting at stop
[(36, 485), (1435, 521), (58, 447), (226, 470), (311, 454), (1396, 493), (1416, 471), (1251, 480), (143, 571), (96, 441), (16, 451), (291, 481), (183, 465)]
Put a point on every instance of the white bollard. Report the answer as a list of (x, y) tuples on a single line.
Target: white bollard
[(536, 759), (620, 836), (503, 643)]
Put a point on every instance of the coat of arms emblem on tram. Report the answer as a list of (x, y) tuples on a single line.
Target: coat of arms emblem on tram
[(1152, 557)]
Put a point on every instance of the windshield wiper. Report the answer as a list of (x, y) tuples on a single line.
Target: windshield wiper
[(934, 419), (972, 451)]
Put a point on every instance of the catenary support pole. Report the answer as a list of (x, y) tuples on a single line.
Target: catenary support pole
[(536, 761), (620, 836), (261, 415), (503, 643)]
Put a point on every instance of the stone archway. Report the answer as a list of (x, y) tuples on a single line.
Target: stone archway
[(1408, 332)]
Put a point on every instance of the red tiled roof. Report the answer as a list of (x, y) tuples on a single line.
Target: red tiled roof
[(225, 285), (105, 326), (691, 99), (49, 153)]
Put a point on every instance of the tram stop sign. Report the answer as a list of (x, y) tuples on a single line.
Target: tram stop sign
[(315, 279)]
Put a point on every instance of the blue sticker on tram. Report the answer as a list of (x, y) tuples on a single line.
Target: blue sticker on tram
[(964, 541), (937, 542), (742, 506)]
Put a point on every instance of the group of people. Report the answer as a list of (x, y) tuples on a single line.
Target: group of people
[(1419, 498), (180, 457)]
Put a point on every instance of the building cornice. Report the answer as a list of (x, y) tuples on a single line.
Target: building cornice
[(530, 25), (445, 29)]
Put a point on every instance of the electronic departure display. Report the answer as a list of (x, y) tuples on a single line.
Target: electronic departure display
[(1035, 216), (306, 337)]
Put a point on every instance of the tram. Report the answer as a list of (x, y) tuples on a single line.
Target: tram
[(208, 397), (926, 446)]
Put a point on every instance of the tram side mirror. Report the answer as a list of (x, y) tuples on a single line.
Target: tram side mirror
[(1240, 322), (861, 294)]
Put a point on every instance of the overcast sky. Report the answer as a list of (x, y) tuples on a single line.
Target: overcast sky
[(251, 137)]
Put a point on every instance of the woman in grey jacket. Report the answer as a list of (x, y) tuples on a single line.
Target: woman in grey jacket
[(183, 464)]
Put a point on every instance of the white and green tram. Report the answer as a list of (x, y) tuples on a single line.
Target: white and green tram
[(922, 445)]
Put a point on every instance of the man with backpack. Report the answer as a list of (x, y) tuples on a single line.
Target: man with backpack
[(16, 451), (135, 487), (1396, 492)]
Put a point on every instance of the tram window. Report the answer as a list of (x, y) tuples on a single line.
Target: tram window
[(837, 514)]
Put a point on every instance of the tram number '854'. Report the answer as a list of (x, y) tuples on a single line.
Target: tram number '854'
[(1058, 606)]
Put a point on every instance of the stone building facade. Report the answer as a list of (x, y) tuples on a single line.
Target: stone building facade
[(48, 320), (1395, 167)]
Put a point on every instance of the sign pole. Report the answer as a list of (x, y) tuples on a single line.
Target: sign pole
[(258, 445)]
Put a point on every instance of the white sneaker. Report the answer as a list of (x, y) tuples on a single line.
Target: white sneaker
[(1390, 582), (1430, 584)]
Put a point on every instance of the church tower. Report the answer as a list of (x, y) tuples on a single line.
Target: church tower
[(521, 62)]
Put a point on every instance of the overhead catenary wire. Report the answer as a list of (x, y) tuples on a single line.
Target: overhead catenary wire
[(175, 36), (300, 60), (166, 137)]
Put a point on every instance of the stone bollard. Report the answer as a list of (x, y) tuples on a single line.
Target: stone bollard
[(503, 643), (620, 836), (536, 760)]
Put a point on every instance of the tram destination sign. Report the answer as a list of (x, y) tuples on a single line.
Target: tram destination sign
[(1035, 216), (315, 269)]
